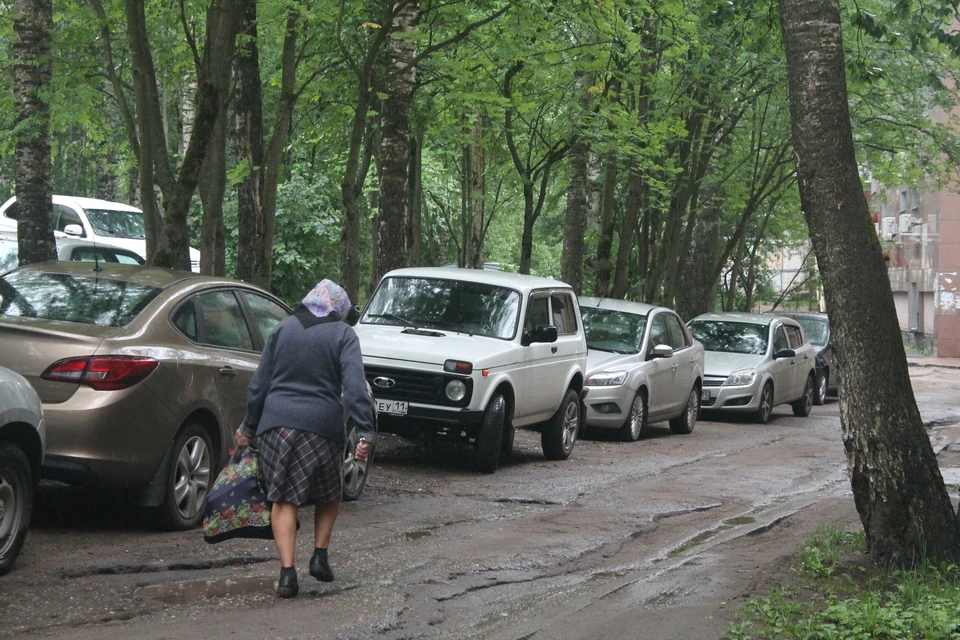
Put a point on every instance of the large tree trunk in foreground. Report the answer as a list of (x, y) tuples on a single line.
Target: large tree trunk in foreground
[(899, 492), (32, 70)]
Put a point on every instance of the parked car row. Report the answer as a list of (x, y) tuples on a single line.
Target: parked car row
[(140, 373)]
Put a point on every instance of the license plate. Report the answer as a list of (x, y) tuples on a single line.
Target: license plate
[(392, 407), (705, 394)]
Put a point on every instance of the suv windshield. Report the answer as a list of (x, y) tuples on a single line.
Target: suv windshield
[(466, 307), (110, 223), (614, 331), (730, 337), (83, 299)]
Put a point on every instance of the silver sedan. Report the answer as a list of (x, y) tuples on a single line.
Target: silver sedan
[(754, 363), (643, 366)]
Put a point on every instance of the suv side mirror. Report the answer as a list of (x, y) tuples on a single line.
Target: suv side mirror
[(661, 351), (540, 333), (784, 353), (73, 230), (352, 316)]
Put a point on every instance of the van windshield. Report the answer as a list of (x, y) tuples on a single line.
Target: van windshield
[(465, 307), (109, 223)]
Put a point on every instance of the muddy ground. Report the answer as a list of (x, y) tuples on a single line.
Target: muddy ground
[(662, 538)]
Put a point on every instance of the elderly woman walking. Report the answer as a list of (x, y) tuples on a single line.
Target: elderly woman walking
[(309, 374)]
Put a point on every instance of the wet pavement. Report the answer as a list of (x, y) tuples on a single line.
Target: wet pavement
[(661, 535)]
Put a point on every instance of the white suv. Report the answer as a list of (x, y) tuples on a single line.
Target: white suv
[(471, 354)]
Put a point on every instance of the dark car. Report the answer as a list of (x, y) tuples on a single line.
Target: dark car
[(142, 373), (816, 326)]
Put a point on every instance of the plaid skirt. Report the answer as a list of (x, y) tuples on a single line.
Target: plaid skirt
[(301, 467)]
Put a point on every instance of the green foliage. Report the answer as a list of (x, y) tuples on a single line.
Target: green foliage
[(842, 599)]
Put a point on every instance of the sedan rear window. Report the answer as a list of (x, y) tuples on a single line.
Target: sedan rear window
[(730, 337), (615, 331), (73, 298)]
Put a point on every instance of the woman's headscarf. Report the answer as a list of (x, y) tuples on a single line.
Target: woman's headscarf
[(325, 298)]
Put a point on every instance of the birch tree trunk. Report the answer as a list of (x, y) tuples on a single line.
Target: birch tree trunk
[(899, 492), (32, 70), (398, 85)]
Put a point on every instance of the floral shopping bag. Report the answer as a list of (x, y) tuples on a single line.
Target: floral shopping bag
[(237, 506)]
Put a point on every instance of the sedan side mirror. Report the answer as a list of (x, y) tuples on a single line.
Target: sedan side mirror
[(661, 351), (784, 353), (74, 230), (540, 333)]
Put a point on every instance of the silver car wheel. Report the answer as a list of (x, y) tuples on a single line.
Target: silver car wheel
[(822, 389), (571, 423), (11, 509), (637, 415), (766, 404), (192, 477), (693, 407)]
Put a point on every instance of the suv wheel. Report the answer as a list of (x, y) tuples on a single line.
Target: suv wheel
[(685, 422), (189, 479), (636, 422), (355, 472), (486, 446), (16, 501), (801, 407), (559, 435)]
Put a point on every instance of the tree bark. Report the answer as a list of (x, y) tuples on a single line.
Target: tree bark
[(248, 148), (478, 190), (212, 187), (575, 226), (608, 205), (628, 228), (899, 492), (33, 26), (415, 198), (398, 85)]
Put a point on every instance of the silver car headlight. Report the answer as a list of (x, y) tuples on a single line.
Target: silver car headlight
[(743, 378), (606, 379), (456, 390)]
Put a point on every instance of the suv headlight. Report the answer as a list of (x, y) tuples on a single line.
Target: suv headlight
[(606, 379), (743, 378), (456, 391)]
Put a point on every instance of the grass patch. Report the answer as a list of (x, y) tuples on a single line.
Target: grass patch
[(837, 593)]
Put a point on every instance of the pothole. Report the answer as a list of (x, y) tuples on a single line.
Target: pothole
[(159, 566), (697, 540), (196, 590), (942, 422), (415, 535), (527, 501), (740, 520)]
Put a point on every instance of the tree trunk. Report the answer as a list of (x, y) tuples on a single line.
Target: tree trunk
[(478, 195), (213, 185), (415, 198), (398, 85), (601, 286), (899, 492), (32, 26), (248, 147), (575, 226), (628, 228), (349, 188)]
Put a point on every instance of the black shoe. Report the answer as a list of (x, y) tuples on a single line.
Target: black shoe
[(288, 587), (320, 569)]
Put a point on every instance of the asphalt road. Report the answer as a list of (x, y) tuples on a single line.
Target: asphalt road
[(650, 539)]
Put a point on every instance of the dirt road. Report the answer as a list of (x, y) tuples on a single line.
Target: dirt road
[(659, 538)]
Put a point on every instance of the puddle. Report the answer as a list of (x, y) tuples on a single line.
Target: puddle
[(415, 535), (603, 575), (698, 539), (739, 520), (190, 592), (951, 475)]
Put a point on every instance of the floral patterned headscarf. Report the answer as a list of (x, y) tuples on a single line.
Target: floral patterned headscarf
[(326, 298)]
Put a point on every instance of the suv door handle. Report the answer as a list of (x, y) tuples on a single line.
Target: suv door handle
[(674, 367), (553, 349), (228, 371)]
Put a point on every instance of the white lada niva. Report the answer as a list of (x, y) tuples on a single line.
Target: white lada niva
[(472, 355)]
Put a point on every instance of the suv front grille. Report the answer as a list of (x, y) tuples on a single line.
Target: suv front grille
[(423, 387)]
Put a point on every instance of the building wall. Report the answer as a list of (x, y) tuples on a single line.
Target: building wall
[(946, 342)]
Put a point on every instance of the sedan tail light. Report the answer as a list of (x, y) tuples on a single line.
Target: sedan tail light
[(103, 373)]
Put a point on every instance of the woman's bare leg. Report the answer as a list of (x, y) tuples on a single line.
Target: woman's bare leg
[(324, 517), (283, 520)]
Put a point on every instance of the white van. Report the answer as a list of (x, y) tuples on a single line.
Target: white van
[(111, 223)]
